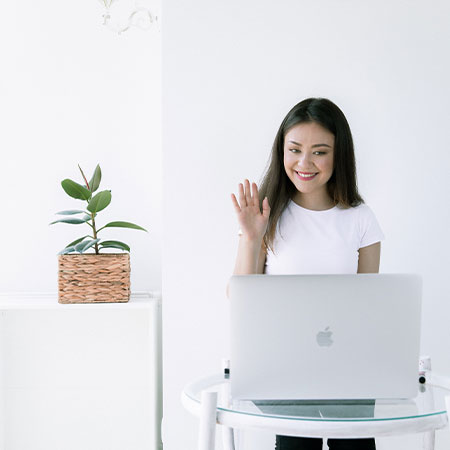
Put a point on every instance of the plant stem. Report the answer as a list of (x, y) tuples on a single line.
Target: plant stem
[(95, 234)]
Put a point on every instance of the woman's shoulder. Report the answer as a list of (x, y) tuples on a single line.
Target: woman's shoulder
[(361, 213), (369, 228), (362, 208)]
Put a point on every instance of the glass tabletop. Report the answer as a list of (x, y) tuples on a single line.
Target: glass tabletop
[(430, 401)]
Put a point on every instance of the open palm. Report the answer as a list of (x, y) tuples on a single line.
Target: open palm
[(253, 223)]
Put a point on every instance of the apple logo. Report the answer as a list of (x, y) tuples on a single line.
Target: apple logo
[(324, 337)]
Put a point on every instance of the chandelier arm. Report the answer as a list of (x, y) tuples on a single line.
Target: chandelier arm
[(133, 19)]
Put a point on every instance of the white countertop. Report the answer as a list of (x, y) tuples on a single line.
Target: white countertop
[(49, 300)]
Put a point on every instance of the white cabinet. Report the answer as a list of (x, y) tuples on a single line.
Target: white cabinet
[(80, 377)]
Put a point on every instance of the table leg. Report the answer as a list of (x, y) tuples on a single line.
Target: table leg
[(428, 440), (228, 438), (225, 401), (208, 418)]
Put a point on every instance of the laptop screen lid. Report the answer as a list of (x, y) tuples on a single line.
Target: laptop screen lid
[(352, 336)]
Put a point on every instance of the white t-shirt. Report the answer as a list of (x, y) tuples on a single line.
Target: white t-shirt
[(321, 242)]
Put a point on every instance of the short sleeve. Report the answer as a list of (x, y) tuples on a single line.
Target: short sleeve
[(369, 228)]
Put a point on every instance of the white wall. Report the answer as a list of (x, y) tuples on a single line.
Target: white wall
[(73, 92), (231, 71)]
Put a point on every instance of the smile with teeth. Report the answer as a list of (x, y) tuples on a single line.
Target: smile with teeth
[(305, 176)]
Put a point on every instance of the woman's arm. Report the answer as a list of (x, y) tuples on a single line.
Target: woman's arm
[(250, 259), (251, 254), (369, 258)]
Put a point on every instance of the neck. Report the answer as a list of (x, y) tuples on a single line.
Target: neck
[(314, 202)]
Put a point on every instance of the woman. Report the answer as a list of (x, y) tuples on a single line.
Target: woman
[(311, 218)]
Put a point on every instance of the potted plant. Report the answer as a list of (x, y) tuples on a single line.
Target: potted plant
[(92, 277)]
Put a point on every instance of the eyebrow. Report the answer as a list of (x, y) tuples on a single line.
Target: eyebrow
[(313, 146)]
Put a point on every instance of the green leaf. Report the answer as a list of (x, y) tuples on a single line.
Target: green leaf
[(79, 247), (70, 212), (87, 218), (120, 224), (83, 246), (84, 177), (115, 244), (75, 190), (76, 241), (72, 221), (112, 246), (99, 201), (95, 180), (66, 250)]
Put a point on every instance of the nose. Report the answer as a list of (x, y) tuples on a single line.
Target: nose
[(304, 161)]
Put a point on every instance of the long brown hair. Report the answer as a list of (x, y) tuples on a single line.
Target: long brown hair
[(342, 186)]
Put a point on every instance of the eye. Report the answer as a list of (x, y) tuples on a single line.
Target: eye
[(321, 153), (294, 150)]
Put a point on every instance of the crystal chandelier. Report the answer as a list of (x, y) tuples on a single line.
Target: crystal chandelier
[(140, 17)]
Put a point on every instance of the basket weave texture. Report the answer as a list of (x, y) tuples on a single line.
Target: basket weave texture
[(91, 278)]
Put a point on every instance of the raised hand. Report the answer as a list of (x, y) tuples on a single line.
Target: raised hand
[(253, 223)]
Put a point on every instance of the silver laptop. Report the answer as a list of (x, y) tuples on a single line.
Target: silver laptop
[(353, 336)]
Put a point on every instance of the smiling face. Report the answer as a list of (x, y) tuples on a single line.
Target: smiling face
[(308, 162)]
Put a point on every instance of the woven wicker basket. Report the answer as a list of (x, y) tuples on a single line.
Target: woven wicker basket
[(91, 278)]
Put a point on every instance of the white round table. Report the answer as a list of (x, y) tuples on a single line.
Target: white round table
[(209, 399)]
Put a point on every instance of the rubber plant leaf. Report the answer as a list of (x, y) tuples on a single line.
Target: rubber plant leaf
[(96, 178), (85, 245), (115, 244), (73, 221), (77, 241), (75, 190), (99, 201), (70, 212), (66, 250), (121, 224)]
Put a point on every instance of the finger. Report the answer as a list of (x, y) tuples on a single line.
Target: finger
[(255, 195), (248, 194), (237, 208), (242, 199), (266, 208)]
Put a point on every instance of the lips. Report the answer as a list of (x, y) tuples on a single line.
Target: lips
[(305, 175)]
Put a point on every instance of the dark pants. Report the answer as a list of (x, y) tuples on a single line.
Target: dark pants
[(300, 443)]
